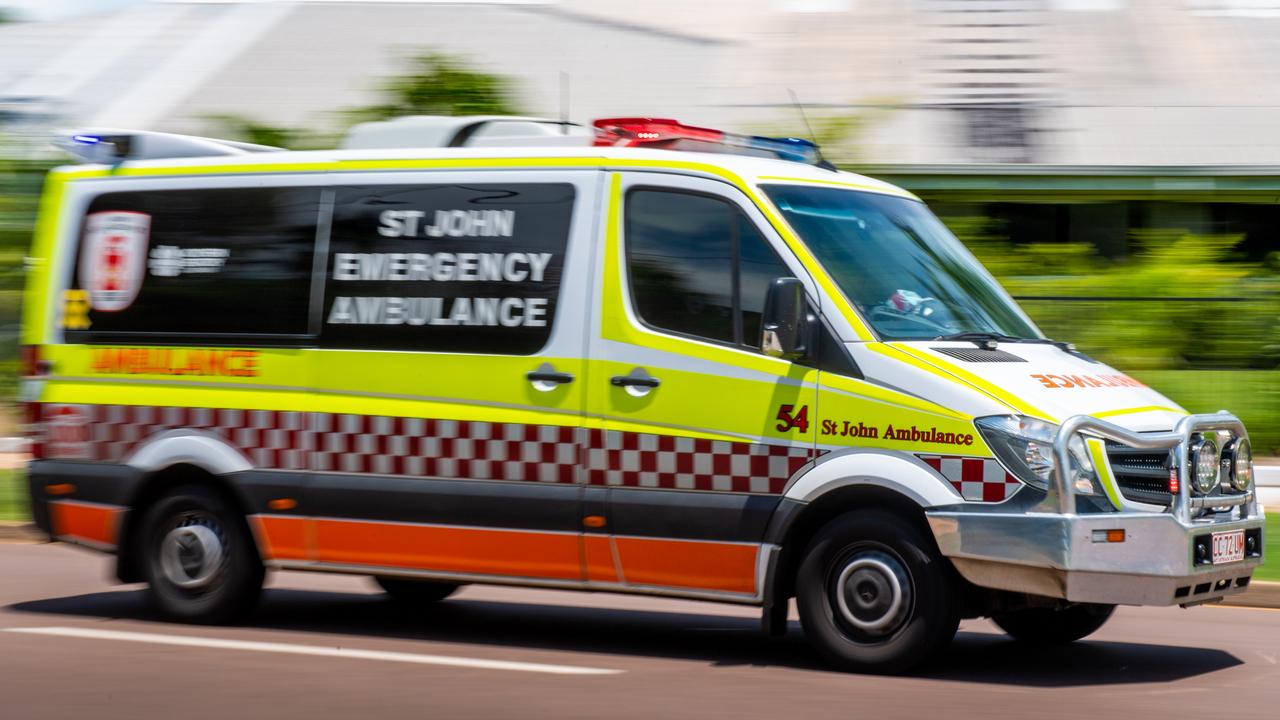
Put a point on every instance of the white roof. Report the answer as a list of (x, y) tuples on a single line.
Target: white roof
[(751, 169)]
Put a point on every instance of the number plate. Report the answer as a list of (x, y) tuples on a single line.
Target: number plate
[(1228, 547)]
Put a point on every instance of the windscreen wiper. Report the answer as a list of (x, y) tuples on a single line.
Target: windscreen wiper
[(987, 340)]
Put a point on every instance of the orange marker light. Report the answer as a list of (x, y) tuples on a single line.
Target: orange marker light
[(593, 521), (282, 504), (1109, 536), (60, 489)]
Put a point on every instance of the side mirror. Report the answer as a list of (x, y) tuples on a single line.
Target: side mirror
[(784, 323)]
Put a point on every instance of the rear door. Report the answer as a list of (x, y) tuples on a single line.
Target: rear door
[(694, 432), (449, 379)]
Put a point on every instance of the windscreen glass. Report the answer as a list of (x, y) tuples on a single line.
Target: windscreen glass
[(898, 264)]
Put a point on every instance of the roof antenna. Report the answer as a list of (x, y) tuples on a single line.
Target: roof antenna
[(822, 162), (564, 102)]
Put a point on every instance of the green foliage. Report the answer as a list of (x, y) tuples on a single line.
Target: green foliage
[(437, 84), (246, 129), (13, 496), (1125, 312)]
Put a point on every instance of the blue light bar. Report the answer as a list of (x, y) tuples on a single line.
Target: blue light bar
[(789, 148)]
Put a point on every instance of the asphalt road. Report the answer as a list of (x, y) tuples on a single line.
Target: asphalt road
[(72, 644)]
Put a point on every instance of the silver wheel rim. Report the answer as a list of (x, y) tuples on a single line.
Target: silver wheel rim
[(191, 556), (873, 593)]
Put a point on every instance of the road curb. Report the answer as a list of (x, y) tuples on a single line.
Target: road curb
[(21, 532), (1260, 594)]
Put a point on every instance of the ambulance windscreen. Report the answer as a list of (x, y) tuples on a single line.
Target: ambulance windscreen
[(906, 273)]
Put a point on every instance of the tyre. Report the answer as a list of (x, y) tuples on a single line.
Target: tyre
[(875, 595), (1050, 626), (415, 592), (198, 557)]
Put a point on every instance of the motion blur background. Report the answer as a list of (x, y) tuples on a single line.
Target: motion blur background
[(1116, 163)]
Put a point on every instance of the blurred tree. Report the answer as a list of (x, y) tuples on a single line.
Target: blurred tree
[(438, 84), (435, 84), (245, 129)]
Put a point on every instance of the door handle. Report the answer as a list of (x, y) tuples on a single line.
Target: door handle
[(546, 378), (643, 381), (550, 376)]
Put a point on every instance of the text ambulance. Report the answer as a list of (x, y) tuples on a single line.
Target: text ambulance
[(734, 375)]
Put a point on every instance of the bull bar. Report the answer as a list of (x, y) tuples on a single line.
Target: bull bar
[(1052, 549)]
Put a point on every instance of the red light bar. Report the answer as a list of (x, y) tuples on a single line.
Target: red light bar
[(641, 131), (668, 134)]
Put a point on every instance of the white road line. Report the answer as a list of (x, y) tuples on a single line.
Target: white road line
[(347, 653)]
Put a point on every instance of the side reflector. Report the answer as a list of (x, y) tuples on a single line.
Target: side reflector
[(593, 521), (60, 489), (1109, 536), (282, 504)]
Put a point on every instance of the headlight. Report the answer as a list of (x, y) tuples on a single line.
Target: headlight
[(1204, 466), (1237, 457), (1025, 446)]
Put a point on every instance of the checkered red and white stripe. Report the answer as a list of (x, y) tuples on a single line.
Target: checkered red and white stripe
[(976, 479), (270, 438), (447, 448), (444, 448), (665, 461), (474, 450)]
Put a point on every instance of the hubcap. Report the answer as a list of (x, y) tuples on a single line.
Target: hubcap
[(873, 593), (191, 555)]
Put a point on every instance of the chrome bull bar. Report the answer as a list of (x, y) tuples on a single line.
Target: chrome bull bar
[(1062, 492)]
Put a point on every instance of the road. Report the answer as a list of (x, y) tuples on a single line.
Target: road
[(72, 644)]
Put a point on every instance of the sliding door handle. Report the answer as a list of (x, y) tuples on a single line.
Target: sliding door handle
[(635, 381)]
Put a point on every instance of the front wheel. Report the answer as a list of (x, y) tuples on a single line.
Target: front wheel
[(1050, 626), (874, 595), (199, 559)]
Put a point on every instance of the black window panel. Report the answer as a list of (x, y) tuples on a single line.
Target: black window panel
[(464, 232), (698, 266), (233, 263), (758, 267)]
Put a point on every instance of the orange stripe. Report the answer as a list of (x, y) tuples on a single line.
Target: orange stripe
[(684, 564), (281, 538), (598, 557), (446, 549), (78, 521)]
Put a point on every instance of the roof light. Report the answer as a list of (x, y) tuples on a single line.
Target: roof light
[(671, 134)]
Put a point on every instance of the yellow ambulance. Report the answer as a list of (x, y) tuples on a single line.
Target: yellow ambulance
[(638, 357)]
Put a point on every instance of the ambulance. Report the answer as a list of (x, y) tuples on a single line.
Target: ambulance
[(635, 357)]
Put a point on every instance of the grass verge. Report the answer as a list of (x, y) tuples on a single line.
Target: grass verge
[(1270, 570), (13, 495)]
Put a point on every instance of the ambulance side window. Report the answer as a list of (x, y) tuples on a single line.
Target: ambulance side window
[(471, 268), (204, 266), (697, 265)]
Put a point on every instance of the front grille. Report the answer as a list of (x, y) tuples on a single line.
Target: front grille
[(1143, 475)]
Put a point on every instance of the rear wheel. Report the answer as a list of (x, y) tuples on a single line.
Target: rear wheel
[(874, 595), (416, 592), (1050, 626), (198, 557)]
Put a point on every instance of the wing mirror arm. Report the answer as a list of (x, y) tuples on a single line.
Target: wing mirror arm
[(785, 324)]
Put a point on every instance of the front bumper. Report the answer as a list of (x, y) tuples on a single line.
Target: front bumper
[(1054, 549), (1056, 556)]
